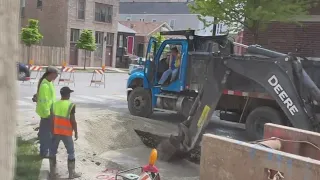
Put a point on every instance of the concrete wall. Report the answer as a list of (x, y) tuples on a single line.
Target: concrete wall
[(9, 50), (227, 159), (182, 21), (90, 24)]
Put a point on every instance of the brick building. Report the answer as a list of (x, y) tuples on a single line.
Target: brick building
[(284, 37), (61, 23)]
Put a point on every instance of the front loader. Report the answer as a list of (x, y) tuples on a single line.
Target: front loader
[(281, 75)]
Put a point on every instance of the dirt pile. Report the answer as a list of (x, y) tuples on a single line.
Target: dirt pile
[(107, 130)]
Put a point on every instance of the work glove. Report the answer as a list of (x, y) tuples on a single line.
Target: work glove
[(34, 98)]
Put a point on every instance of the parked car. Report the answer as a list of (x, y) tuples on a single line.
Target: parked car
[(136, 65), (23, 71)]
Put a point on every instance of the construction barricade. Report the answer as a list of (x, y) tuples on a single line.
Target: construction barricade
[(67, 76), (98, 77), (35, 74)]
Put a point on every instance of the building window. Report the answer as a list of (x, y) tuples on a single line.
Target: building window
[(142, 19), (81, 9), (172, 23), (103, 13), (120, 44), (22, 7), (154, 20), (39, 3), (109, 39), (74, 35), (128, 19), (99, 37)]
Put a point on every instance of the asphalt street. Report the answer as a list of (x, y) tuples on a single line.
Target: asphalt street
[(112, 97)]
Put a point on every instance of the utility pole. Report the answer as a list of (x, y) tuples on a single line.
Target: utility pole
[(9, 56)]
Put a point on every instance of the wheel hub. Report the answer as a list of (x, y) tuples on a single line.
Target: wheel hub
[(22, 74), (138, 102)]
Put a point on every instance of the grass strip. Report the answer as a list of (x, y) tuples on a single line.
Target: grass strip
[(28, 160)]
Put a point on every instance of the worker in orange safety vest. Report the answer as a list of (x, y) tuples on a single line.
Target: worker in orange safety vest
[(63, 123)]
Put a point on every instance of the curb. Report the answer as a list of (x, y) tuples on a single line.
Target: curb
[(107, 72), (44, 170), (108, 69)]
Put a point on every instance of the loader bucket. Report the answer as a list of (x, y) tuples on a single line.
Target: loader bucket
[(169, 150)]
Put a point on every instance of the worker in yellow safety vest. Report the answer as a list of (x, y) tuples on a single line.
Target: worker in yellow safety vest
[(46, 95), (63, 126)]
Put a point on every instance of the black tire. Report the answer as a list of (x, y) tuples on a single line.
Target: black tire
[(258, 117), (140, 102)]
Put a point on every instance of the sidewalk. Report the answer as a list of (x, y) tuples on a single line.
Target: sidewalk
[(90, 69)]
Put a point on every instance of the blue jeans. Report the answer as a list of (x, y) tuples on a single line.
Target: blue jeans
[(45, 136), (167, 73), (68, 143)]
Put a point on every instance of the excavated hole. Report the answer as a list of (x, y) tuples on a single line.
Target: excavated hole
[(153, 140)]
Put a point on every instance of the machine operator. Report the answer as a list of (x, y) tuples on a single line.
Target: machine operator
[(174, 65)]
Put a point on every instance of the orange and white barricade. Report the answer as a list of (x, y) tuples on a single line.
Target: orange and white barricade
[(67, 76), (35, 74), (98, 77)]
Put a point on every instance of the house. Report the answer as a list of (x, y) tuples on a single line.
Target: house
[(302, 40), (126, 37), (176, 13), (61, 22), (144, 30), (125, 45)]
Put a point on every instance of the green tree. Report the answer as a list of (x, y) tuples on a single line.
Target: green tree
[(159, 37), (87, 43), (253, 15), (30, 35)]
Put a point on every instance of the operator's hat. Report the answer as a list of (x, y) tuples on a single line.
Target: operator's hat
[(66, 90), (52, 69)]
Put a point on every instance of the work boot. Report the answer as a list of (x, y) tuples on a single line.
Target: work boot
[(53, 163), (71, 169)]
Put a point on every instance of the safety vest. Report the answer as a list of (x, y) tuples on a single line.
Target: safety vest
[(178, 61), (45, 97), (61, 117)]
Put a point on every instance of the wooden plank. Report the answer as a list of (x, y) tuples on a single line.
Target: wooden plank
[(228, 159)]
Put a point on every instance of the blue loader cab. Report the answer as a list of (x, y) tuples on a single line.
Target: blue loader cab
[(144, 95)]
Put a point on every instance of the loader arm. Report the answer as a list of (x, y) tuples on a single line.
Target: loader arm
[(274, 74)]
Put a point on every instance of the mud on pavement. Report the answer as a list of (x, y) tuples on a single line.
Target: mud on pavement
[(110, 141)]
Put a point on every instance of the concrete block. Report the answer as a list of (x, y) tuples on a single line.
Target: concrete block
[(297, 141), (228, 159)]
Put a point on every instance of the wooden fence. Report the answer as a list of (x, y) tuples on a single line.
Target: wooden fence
[(43, 55)]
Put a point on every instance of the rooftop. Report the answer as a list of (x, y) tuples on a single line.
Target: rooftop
[(145, 28), (125, 29)]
